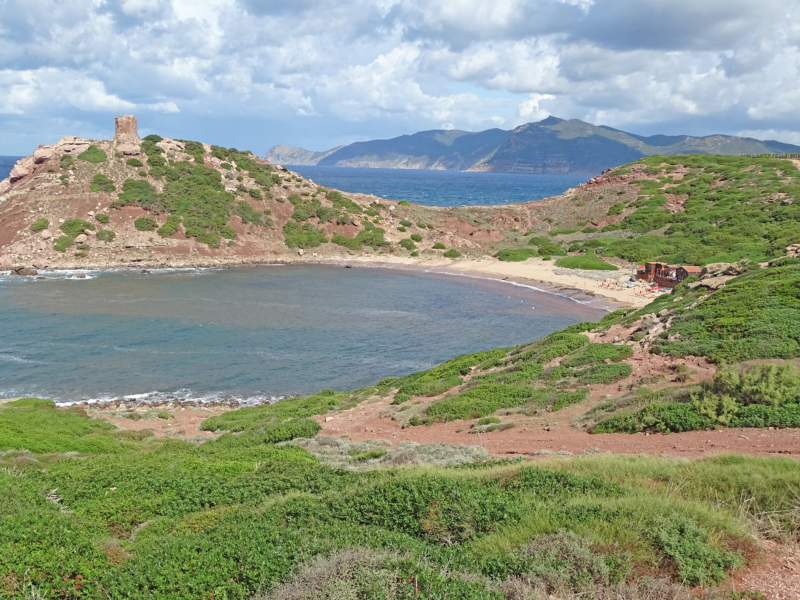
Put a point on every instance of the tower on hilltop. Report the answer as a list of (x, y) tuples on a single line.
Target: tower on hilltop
[(126, 130)]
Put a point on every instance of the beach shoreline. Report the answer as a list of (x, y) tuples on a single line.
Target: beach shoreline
[(535, 273)]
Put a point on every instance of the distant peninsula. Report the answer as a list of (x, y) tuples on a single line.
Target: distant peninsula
[(550, 146)]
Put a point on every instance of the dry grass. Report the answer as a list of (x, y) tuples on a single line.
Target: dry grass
[(342, 454)]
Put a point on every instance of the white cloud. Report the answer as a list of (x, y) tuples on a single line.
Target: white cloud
[(363, 68), (529, 109)]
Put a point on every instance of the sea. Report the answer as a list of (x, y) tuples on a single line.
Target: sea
[(443, 188), (261, 334), (253, 334)]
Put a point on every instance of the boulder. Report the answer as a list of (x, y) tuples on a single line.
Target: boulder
[(5, 262), (129, 149), (5, 185), (90, 213), (81, 238), (46, 234), (19, 171), (25, 272), (714, 269), (43, 153), (41, 264), (713, 283), (89, 232)]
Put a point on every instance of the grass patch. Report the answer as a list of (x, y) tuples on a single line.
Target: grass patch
[(94, 155), (588, 261), (40, 225)]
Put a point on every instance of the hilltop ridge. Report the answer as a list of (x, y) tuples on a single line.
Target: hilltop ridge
[(82, 203), (552, 145)]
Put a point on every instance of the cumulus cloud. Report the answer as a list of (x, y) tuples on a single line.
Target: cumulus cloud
[(330, 71)]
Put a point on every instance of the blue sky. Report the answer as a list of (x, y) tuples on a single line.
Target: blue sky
[(316, 74)]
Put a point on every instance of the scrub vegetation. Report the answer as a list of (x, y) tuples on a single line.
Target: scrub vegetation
[(732, 208), (93, 512)]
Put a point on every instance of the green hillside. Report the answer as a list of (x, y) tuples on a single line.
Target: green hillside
[(94, 512)]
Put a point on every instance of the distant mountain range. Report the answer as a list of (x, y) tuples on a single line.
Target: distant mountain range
[(550, 146)]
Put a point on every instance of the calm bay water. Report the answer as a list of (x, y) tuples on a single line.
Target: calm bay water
[(253, 333), (443, 188)]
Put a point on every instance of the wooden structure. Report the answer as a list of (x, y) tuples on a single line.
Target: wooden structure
[(665, 275)]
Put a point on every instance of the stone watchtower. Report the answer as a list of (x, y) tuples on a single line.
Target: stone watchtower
[(126, 130)]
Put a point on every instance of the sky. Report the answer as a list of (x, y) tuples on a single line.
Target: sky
[(320, 73)]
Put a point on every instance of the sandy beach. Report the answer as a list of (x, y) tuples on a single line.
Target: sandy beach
[(534, 272)]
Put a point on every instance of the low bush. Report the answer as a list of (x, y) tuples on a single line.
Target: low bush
[(75, 227), (516, 254), (105, 235), (170, 227), (93, 154), (63, 242), (406, 223), (452, 253), (416, 237), (66, 161), (145, 224), (587, 261), (439, 246), (407, 243), (40, 225), (101, 183), (36, 426), (134, 162), (102, 218), (305, 236), (594, 353)]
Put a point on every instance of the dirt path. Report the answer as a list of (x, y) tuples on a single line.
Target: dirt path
[(540, 436)]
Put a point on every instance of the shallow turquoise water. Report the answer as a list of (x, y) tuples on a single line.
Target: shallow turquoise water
[(253, 333)]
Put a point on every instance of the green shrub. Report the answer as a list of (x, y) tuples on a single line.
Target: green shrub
[(342, 203), (404, 203), (452, 253), (153, 138), (604, 373), (63, 242), (30, 403), (406, 223), (105, 235), (439, 246), (102, 218), (416, 237), (34, 425), (136, 192), (40, 225), (659, 416), (170, 227), (407, 243), (134, 162), (226, 166), (75, 227), (486, 421), (587, 261), (617, 209), (516, 254), (250, 215), (699, 561), (101, 183), (145, 224), (66, 161), (594, 353), (306, 236), (93, 154)]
